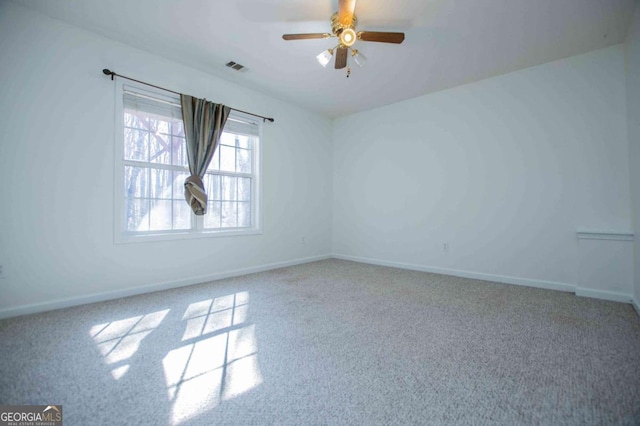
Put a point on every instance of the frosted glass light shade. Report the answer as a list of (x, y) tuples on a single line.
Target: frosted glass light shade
[(324, 57), (358, 58)]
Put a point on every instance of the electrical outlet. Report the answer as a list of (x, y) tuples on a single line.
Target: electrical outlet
[(302, 240), (1, 271), (445, 247)]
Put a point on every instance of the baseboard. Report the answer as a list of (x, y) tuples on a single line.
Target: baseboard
[(117, 294), (549, 285), (604, 295), (636, 306)]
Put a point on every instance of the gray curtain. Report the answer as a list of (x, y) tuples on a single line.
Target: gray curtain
[(203, 124)]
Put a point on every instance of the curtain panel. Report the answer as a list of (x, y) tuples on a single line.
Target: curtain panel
[(203, 125)]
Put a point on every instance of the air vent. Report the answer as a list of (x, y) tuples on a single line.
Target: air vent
[(235, 66)]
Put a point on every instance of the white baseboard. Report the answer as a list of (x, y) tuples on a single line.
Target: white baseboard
[(117, 294), (549, 285), (605, 295)]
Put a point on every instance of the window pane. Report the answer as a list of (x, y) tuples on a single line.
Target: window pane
[(243, 158), (160, 215), (229, 214), (136, 145), (136, 182), (135, 215), (161, 183), (244, 142), (227, 158), (133, 119), (179, 148), (244, 189), (178, 184), (228, 139), (177, 128), (244, 214), (229, 188), (212, 186), (181, 215), (162, 127), (160, 149), (214, 165), (153, 125), (212, 218)]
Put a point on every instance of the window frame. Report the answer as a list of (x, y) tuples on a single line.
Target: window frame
[(197, 229)]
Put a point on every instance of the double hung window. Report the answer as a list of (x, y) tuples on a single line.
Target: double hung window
[(151, 164)]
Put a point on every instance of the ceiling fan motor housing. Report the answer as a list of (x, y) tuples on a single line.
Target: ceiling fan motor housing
[(349, 37)]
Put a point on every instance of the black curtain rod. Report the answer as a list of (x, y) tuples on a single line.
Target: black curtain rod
[(107, 71)]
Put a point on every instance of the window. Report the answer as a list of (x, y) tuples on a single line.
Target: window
[(152, 166)]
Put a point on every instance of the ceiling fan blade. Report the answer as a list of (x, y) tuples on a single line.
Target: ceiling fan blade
[(381, 37), (307, 36), (341, 57), (346, 9)]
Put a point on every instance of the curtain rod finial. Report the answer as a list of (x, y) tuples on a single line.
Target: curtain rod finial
[(107, 71)]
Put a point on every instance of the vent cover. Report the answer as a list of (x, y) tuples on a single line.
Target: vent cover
[(235, 65)]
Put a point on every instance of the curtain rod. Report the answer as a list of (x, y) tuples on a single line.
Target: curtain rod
[(107, 71)]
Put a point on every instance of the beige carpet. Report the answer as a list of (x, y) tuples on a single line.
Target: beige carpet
[(331, 342)]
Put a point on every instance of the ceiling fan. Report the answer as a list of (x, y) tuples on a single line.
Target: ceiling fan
[(343, 25)]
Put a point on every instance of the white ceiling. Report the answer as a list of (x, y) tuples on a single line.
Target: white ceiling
[(448, 42)]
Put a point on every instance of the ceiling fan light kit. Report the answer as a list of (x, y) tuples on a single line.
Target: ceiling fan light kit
[(358, 58), (348, 37), (324, 57), (343, 27)]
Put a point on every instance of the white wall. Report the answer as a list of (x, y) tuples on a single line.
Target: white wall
[(57, 172), (633, 123), (504, 170)]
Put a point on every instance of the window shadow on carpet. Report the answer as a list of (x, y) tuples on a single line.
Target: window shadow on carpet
[(215, 359)]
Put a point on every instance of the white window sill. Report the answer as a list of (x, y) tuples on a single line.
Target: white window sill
[(126, 238)]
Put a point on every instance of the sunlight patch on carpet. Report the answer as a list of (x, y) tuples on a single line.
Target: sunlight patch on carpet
[(209, 316), (220, 364), (119, 340), (117, 373)]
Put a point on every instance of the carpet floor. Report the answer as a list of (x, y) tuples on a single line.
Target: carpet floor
[(331, 342)]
